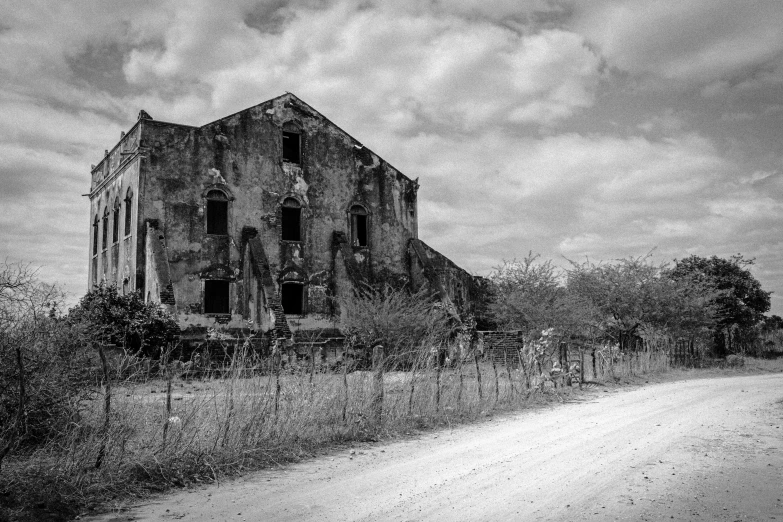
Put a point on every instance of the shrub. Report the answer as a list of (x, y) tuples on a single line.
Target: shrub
[(125, 320)]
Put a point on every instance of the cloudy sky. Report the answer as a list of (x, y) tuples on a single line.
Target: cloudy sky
[(597, 128)]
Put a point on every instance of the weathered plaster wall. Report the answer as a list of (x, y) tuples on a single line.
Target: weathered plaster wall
[(453, 285), (242, 154), (111, 180)]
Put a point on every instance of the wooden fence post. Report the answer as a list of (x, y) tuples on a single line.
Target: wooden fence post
[(438, 370), (508, 372), (276, 362), (478, 375), (497, 384), (377, 400), (106, 407), (345, 382)]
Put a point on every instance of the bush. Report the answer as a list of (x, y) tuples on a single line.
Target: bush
[(43, 363), (404, 323), (125, 320)]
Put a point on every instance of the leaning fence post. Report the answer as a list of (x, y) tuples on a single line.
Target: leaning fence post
[(106, 406), (495, 370), (345, 383), (437, 381), (478, 374), (508, 372), (377, 365), (276, 361)]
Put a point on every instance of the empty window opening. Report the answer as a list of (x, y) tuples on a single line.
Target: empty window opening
[(216, 297), (217, 213), (115, 226), (292, 298), (128, 212), (291, 147), (105, 229), (358, 226), (291, 220), (95, 235)]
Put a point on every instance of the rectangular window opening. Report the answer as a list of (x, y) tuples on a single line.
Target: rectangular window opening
[(105, 232), (128, 212), (115, 228), (217, 217), (216, 297), (292, 298), (359, 230), (292, 224), (95, 238), (291, 148)]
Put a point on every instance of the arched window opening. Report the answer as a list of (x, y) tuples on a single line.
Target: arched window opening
[(105, 229), (95, 236), (359, 226), (291, 220), (128, 212), (217, 213), (292, 147), (292, 298), (216, 297), (115, 226)]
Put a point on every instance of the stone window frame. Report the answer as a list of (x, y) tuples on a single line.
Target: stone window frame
[(115, 224), (303, 212), (294, 276), (229, 207), (128, 229), (352, 224), (96, 223), (105, 229)]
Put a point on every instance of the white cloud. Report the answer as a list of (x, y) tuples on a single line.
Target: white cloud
[(693, 41)]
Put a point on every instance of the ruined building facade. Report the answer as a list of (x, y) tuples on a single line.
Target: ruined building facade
[(258, 221)]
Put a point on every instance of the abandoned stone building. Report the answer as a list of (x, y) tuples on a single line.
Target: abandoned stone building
[(258, 221)]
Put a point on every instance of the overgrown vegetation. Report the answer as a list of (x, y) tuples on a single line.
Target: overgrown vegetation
[(78, 428)]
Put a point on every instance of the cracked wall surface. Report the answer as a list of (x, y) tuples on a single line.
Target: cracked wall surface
[(170, 169)]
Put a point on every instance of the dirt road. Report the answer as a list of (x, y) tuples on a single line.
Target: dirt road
[(709, 449)]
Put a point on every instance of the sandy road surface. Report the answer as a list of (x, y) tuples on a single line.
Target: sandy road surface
[(709, 449)]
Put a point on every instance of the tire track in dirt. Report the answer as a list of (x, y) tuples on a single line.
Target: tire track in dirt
[(706, 449)]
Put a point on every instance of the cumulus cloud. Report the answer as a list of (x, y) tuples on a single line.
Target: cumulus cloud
[(523, 119), (695, 41)]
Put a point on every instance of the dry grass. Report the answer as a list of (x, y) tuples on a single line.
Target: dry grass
[(173, 432)]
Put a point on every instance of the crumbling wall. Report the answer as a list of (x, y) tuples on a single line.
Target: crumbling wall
[(454, 286), (242, 155)]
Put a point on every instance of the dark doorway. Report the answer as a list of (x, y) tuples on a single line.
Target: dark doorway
[(216, 297), (292, 297)]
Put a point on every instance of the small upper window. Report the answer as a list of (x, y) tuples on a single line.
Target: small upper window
[(292, 147), (217, 213), (128, 211), (358, 226), (115, 225), (105, 229), (291, 220), (216, 297), (95, 225)]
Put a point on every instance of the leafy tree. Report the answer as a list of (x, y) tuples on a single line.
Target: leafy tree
[(772, 323), (635, 296), (126, 320), (740, 300), (528, 296)]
